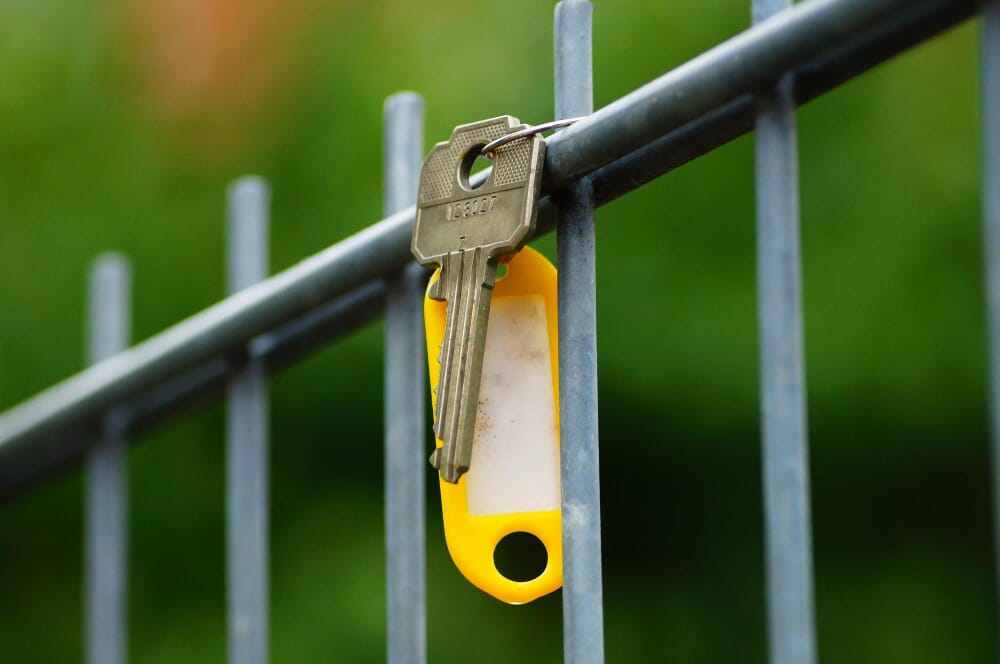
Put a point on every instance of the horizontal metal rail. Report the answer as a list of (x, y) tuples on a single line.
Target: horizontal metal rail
[(662, 125)]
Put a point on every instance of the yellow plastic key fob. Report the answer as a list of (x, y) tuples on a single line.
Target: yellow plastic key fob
[(513, 484)]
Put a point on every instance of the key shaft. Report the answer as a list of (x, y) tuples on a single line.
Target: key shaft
[(468, 277)]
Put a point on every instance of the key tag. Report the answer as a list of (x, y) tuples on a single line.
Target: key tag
[(513, 483)]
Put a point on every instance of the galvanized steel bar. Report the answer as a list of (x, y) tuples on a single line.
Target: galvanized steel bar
[(51, 429), (106, 504), (813, 77), (220, 330), (990, 104), (288, 344), (248, 203), (405, 387), (744, 64), (583, 603), (788, 535)]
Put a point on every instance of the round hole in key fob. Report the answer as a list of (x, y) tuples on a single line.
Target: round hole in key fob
[(512, 485)]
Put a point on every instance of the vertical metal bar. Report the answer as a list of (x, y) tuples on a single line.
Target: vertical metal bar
[(990, 101), (583, 610), (785, 455), (247, 441), (106, 503), (405, 386)]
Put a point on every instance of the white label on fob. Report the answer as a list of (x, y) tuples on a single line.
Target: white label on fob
[(515, 457)]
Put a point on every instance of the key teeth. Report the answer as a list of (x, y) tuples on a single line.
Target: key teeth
[(434, 292)]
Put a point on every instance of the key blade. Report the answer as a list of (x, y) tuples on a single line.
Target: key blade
[(470, 277)]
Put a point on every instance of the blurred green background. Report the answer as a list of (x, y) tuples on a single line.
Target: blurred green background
[(121, 123)]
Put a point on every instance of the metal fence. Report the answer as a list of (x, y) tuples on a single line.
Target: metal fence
[(791, 55)]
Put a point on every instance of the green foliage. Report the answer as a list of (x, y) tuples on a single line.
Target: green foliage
[(89, 161)]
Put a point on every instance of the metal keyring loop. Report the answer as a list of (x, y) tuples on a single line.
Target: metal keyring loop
[(489, 149)]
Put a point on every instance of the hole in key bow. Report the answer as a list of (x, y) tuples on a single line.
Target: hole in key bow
[(472, 163), (520, 557)]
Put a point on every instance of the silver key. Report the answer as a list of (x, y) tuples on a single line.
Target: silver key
[(466, 231)]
